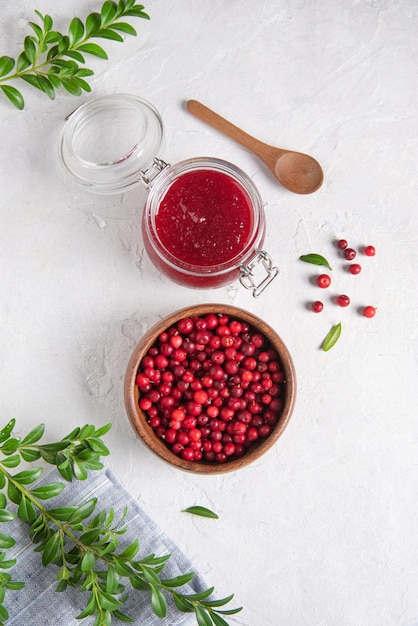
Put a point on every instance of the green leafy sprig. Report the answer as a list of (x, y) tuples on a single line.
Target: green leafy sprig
[(81, 542), (51, 60)]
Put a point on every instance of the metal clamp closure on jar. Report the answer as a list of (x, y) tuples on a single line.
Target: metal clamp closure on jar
[(248, 273)]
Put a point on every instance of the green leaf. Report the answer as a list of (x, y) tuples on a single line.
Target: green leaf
[(22, 62), (53, 37), (202, 617), (6, 516), (11, 461), (178, 581), (108, 12), (129, 552), (124, 27), (137, 11), (80, 471), (45, 19), (201, 595), (48, 491), (4, 614), (107, 33), (149, 575), (332, 337), (2, 481), (221, 602), (12, 444), (34, 435), (6, 66), (29, 454), (315, 259), (231, 611), (202, 511), (158, 602), (74, 54), (112, 580), (14, 585), (26, 511), (66, 470), (26, 477), (93, 24), (109, 602), (102, 430), (182, 604), (37, 30), (64, 513), (64, 573), (6, 431), (93, 49), (30, 49), (218, 620), (46, 86), (89, 609), (3, 499), (88, 562), (33, 80), (5, 540), (54, 80), (75, 31), (7, 564), (98, 446), (51, 548), (87, 431), (13, 493), (83, 511)]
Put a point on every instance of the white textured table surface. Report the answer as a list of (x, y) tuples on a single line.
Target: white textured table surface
[(322, 530)]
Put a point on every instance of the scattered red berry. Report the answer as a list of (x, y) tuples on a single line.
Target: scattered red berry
[(355, 268), (317, 306), (369, 311), (210, 387), (342, 244), (369, 251), (343, 300), (323, 281), (350, 254)]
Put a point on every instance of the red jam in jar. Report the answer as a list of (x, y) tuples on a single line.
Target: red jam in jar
[(203, 220)]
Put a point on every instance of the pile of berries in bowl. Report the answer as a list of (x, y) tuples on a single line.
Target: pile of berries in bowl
[(210, 388)]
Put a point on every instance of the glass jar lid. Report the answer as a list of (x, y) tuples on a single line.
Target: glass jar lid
[(107, 142)]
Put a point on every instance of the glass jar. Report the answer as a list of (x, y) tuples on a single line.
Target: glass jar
[(203, 222)]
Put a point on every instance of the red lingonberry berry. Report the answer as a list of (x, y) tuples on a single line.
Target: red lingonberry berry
[(323, 281), (369, 251), (343, 300), (350, 254), (369, 311), (355, 268), (342, 244), (317, 306)]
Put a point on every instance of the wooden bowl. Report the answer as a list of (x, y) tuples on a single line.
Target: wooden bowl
[(158, 446)]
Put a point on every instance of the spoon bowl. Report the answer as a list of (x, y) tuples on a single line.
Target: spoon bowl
[(296, 171)]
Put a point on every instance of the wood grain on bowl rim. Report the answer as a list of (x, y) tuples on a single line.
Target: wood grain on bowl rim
[(145, 431)]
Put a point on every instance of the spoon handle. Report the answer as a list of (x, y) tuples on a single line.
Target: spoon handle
[(216, 121)]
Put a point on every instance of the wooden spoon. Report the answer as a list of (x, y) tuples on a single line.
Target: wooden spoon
[(296, 171)]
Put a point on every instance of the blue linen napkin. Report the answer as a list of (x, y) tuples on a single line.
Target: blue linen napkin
[(38, 604)]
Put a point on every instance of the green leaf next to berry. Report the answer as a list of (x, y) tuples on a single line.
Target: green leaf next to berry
[(315, 259)]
